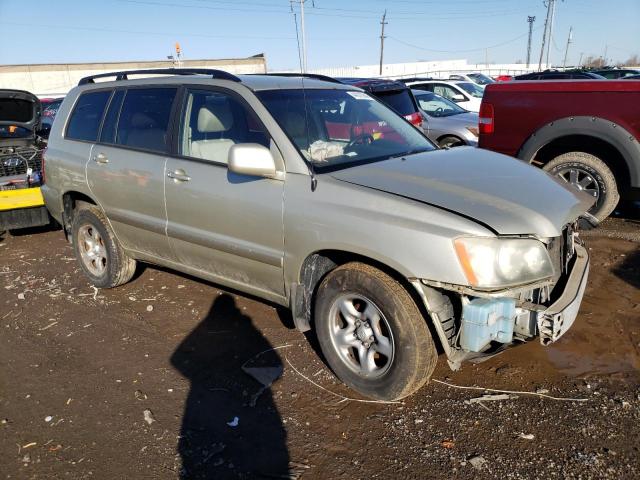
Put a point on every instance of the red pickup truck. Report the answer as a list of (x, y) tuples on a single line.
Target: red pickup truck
[(586, 132)]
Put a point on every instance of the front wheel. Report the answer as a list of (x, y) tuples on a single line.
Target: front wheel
[(589, 174), (372, 333)]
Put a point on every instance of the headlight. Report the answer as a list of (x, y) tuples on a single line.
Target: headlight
[(502, 262)]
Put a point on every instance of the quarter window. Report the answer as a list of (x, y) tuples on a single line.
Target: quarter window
[(87, 115), (144, 119), (108, 133), (213, 122)]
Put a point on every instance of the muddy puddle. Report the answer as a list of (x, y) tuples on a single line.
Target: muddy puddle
[(605, 339)]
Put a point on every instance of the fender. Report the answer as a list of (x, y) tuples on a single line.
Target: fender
[(605, 130)]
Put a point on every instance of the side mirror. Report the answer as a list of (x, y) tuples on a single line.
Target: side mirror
[(251, 159), (458, 98)]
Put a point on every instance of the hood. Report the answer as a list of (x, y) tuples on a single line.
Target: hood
[(19, 108), (503, 193)]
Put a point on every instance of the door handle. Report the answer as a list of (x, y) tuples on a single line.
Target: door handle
[(178, 176), (100, 158)]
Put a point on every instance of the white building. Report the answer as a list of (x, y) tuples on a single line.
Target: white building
[(436, 69), (55, 80)]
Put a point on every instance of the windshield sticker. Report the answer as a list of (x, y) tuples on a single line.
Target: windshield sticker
[(359, 95)]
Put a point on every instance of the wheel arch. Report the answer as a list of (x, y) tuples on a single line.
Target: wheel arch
[(610, 142), (70, 201), (318, 264), (446, 135)]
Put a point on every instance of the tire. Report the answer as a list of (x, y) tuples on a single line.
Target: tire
[(450, 141), (410, 353), (602, 179), (97, 250)]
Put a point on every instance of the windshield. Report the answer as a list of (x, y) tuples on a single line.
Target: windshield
[(481, 79), (339, 128), (436, 106), (472, 89), (399, 100)]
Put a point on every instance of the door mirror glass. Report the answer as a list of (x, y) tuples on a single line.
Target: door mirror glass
[(251, 159)]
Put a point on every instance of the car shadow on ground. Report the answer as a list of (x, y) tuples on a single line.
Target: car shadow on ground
[(222, 434), (629, 269), (627, 210)]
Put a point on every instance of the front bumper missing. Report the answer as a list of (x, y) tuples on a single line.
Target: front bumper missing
[(558, 318)]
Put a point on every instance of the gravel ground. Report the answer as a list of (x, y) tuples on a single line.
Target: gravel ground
[(147, 381)]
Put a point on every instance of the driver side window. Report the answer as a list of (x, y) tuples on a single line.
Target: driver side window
[(215, 121), (445, 91)]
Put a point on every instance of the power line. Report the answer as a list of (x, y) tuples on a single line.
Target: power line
[(459, 51), (142, 32), (410, 16)]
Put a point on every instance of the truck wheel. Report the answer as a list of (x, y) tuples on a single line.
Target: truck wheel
[(591, 175), (372, 333), (98, 252), (450, 141)]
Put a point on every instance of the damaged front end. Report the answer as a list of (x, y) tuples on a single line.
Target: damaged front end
[(487, 321)]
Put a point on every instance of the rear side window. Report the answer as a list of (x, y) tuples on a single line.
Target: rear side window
[(87, 115), (144, 118), (399, 100)]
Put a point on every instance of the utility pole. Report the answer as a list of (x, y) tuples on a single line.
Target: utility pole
[(604, 60), (530, 19), (382, 37), (566, 50), (553, 16), (544, 34), (580, 62), (304, 39)]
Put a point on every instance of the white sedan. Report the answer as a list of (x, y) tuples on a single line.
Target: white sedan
[(466, 94)]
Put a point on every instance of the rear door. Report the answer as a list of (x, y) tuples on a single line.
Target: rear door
[(126, 169), (225, 226)]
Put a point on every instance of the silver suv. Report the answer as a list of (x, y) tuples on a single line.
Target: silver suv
[(314, 195)]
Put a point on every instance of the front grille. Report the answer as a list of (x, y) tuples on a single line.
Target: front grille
[(19, 161)]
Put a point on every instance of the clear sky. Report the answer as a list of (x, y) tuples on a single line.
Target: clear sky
[(339, 32)]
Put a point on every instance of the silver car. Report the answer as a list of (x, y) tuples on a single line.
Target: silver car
[(444, 122), (314, 195)]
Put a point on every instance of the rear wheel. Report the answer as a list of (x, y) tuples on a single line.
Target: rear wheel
[(372, 333), (97, 250), (589, 174), (450, 141)]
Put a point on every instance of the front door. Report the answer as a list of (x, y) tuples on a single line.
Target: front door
[(227, 227), (126, 169)]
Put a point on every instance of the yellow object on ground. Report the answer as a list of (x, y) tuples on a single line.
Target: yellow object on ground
[(21, 198)]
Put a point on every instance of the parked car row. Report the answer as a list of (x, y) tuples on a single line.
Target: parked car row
[(312, 194)]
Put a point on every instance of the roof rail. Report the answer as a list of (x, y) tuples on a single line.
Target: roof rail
[(315, 76), (217, 74)]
